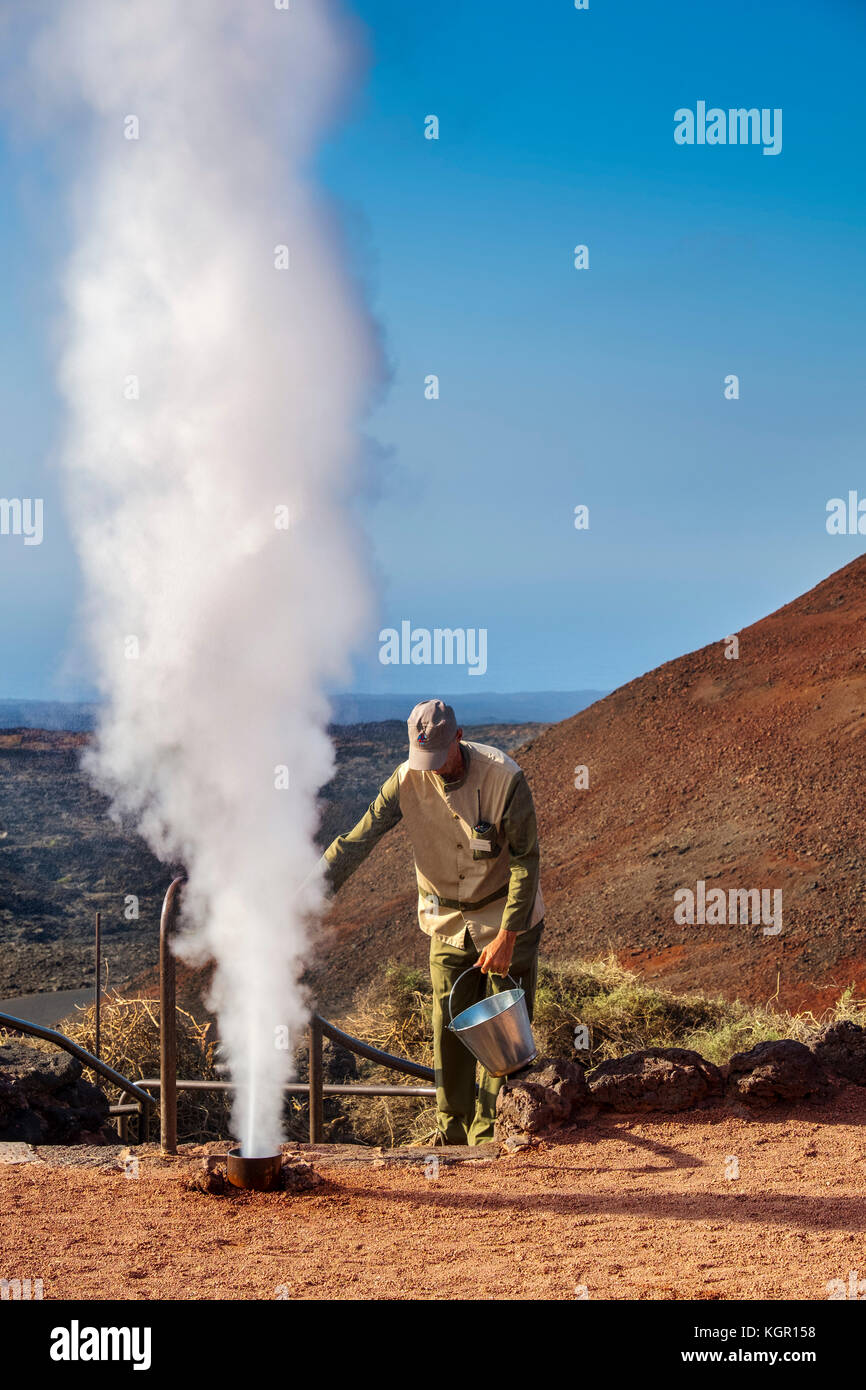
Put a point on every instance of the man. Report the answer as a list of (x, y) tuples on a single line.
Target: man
[(469, 814)]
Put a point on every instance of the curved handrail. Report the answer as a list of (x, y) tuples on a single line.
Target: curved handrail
[(36, 1030), (374, 1054)]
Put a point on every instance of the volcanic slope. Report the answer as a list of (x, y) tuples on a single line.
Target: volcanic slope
[(745, 773)]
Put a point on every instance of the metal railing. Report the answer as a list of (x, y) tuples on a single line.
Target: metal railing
[(168, 1084), (143, 1101)]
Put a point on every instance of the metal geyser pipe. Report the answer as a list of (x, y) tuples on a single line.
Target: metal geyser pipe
[(168, 1020)]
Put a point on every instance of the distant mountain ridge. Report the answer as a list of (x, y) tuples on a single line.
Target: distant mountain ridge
[(483, 707), (71, 716)]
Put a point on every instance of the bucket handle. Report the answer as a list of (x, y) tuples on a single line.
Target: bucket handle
[(463, 977)]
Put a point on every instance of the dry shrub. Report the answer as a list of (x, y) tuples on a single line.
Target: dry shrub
[(129, 1042), (622, 1012), (394, 1012)]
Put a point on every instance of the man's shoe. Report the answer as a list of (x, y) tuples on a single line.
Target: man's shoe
[(436, 1140)]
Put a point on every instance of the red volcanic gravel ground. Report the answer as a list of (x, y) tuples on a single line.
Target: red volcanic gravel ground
[(631, 1207)]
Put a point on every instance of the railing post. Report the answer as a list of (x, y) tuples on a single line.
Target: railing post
[(97, 1046), (317, 1078), (168, 1021)]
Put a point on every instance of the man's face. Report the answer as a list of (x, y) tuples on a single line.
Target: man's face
[(453, 764)]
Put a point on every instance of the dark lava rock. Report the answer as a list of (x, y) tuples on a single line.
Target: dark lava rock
[(210, 1176), (43, 1098), (543, 1096), (656, 1078), (297, 1175), (774, 1072), (841, 1048), (339, 1065)]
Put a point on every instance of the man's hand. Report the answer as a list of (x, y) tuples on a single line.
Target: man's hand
[(495, 959)]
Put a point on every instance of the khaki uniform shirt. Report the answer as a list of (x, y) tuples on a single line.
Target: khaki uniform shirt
[(440, 818)]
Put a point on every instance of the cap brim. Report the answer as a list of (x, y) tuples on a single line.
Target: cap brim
[(426, 759)]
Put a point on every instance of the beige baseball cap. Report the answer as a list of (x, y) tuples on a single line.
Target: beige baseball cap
[(432, 730)]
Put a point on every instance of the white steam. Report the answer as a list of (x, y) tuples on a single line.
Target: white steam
[(207, 389)]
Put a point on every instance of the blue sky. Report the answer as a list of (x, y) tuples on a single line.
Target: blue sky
[(558, 386)]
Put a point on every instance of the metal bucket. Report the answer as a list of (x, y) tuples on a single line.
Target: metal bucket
[(496, 1029), (254, 1174)]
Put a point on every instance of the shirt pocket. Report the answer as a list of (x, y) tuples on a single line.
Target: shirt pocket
[(485, 841)]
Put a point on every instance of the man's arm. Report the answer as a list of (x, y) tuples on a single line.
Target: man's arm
[(345, 853), (521, 833)]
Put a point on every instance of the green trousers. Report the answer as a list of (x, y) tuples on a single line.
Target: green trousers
[(461, 1118)]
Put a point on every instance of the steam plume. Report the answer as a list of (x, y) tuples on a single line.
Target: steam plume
[(208, 389)]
